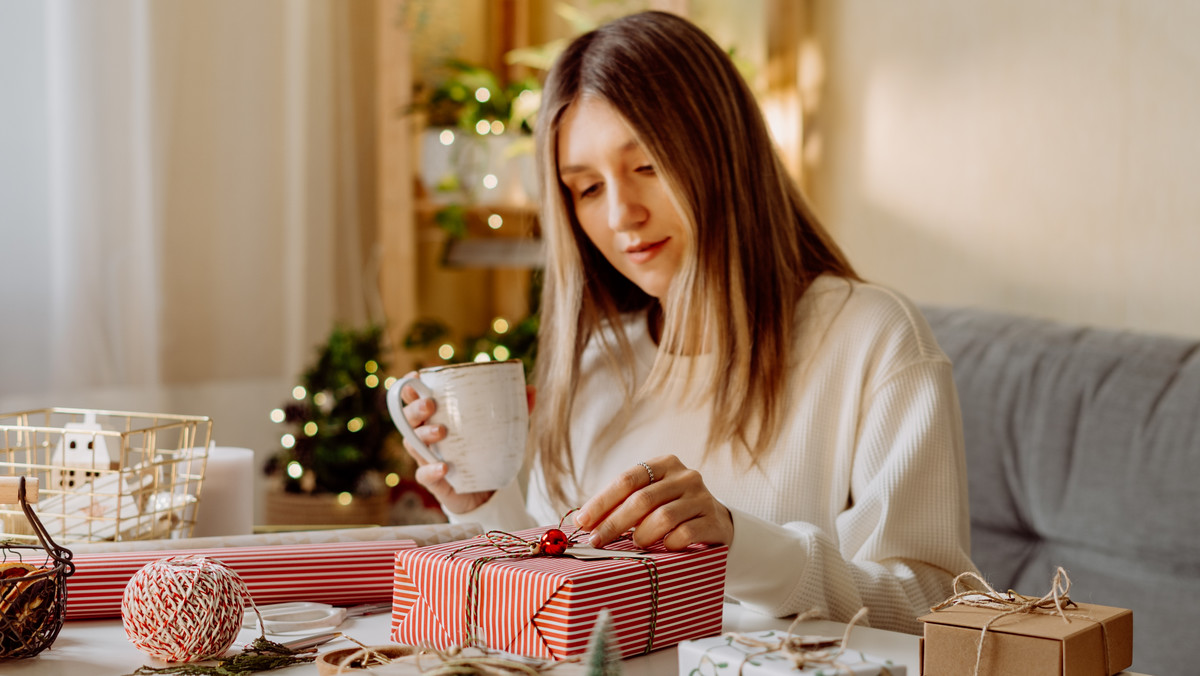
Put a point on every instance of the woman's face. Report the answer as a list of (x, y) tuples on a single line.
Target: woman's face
[(619, 198)]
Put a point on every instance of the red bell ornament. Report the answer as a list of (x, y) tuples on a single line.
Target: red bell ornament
[(553, 543)]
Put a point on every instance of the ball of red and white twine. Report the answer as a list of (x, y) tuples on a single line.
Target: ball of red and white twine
[(183, 608)]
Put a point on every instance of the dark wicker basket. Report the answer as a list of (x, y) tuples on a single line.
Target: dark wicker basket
[(33, 604)]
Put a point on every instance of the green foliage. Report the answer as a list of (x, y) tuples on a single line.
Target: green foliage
[(518, 342), (454, 102), (345, 398), (453, 219), (424, 333), (260, 655)]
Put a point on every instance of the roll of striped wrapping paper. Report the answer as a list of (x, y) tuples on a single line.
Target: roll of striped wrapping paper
[(338, 573), (546, 606)]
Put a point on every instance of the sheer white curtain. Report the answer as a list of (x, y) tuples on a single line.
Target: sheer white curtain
[(201, 199), (104, 286)]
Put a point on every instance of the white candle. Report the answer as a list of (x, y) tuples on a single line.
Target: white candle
[(226, 504)]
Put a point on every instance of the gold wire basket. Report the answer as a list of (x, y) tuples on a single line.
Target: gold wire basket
[(105, 475), (33, 589)]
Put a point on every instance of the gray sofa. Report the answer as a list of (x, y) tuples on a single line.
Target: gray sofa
[(1083, 451)]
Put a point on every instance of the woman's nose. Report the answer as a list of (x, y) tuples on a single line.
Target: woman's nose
[(626, 209)]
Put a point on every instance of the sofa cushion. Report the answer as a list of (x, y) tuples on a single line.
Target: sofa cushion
[(1083, 451)]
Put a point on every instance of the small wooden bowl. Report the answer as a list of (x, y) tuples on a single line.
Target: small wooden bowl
[(328, 663)]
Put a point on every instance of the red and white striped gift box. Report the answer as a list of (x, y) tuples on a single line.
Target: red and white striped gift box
[(338, 573), (546, 607)]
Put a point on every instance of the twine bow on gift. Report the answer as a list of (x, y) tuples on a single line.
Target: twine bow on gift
[(1054, 602), (801, 651), (1011, 602), (515, 547), (458, 661)]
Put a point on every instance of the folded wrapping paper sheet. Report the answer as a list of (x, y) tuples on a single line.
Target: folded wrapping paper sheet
[(338, 573), (546, 607), (427, 534), (725, 656)]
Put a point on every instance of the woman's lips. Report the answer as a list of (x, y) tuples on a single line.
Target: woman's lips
[(641, 253)]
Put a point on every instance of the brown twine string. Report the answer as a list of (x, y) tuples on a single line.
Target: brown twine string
[(802, 651), (453, 661), (516, 547), (1054, 602)]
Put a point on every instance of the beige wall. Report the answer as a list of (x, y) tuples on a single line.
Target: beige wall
[(1019, 155)]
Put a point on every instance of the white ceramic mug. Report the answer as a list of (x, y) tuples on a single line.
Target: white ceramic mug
[(483, 407)]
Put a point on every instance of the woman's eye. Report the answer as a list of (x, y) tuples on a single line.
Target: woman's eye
[(645, 169), (590, 190)]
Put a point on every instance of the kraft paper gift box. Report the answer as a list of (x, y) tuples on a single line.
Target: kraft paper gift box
[(1097, 641), (546, 606), (727, 656)]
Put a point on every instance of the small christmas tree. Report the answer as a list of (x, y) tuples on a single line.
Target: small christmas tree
[(603, 655), (338, 420)]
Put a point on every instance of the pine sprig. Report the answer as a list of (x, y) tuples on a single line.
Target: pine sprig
[(260, 655)]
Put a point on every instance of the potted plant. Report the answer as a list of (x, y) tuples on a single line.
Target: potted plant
[(476, 144)]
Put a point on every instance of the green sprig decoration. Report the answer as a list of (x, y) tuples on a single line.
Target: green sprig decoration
[(260, 655)]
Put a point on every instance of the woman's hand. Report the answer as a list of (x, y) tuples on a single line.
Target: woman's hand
[(432, 475), (668, 501)]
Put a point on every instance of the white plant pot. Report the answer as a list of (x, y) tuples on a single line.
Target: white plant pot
[(487, 169)]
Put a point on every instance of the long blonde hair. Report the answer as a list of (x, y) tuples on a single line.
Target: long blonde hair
[(755, 244)]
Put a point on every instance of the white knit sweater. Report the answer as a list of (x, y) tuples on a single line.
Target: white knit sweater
[(863, 501)]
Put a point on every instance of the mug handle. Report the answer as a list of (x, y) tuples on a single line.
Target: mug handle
[(396, 407)]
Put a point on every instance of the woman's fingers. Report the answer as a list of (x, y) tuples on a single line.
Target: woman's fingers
[(418, 411), (429, 434), (433, 477), (408, 394), (662, 499), (595, 513)]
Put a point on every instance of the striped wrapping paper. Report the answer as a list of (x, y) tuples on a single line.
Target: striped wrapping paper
[(546, 607), (338, 573)]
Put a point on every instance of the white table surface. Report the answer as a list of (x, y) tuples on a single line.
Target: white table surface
[(99, 647)]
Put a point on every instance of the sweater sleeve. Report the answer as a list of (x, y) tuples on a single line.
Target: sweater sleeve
[(903, 534)]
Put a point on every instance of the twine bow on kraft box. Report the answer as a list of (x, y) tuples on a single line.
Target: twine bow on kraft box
[(510, 592), (986, 632)]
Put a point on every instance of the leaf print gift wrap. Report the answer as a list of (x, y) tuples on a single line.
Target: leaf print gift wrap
[(729, 656), (546, 606)]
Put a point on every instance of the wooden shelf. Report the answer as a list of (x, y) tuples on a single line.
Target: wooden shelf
[(522, 253)]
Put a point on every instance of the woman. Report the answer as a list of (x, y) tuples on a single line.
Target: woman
[(710, 367)]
